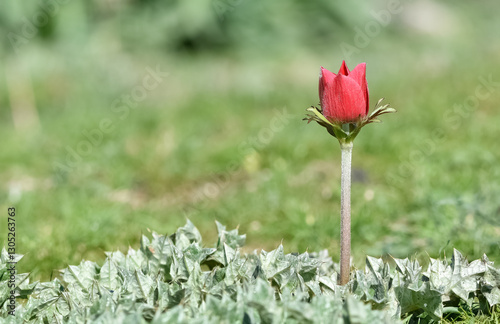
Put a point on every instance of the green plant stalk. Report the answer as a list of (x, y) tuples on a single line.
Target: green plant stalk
[(345, 213)]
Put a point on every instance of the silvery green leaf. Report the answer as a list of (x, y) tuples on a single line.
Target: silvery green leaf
[(490, 286), (178, 268), (273, 263), (141, 285), (439, 274), (236, 270), (108, 277), (83, 275), (464, 275), (231, 238), (224, 309), (314, 287), (63, 308), (78, 296), (117, 257), (160, 248), (328, 282), (135, 259), (42, 308), (23, 286), (411, 300), (5, 257), (186, 235), (196, 253)]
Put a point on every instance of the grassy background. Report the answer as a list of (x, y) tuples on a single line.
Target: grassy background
[(204, 144)]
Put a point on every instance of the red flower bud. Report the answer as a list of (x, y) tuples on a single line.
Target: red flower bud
[(344, 96)]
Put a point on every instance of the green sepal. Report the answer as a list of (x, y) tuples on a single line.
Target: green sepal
[(333, 129), (348, 134), (380, 110)]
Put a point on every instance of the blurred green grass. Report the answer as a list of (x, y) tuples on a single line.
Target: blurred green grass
[(186, 150)]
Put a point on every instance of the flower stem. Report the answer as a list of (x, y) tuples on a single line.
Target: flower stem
[(345, 213)]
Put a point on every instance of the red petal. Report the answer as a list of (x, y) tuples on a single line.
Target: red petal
[(325, 77), (359, 75), (343, 69), (343, 100)]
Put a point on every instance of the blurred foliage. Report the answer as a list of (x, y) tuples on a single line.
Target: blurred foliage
[(177, 26)]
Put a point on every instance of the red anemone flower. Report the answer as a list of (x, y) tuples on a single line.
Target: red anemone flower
[(344, 96)]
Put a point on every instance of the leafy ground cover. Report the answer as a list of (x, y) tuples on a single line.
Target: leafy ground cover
[(176, 279)]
